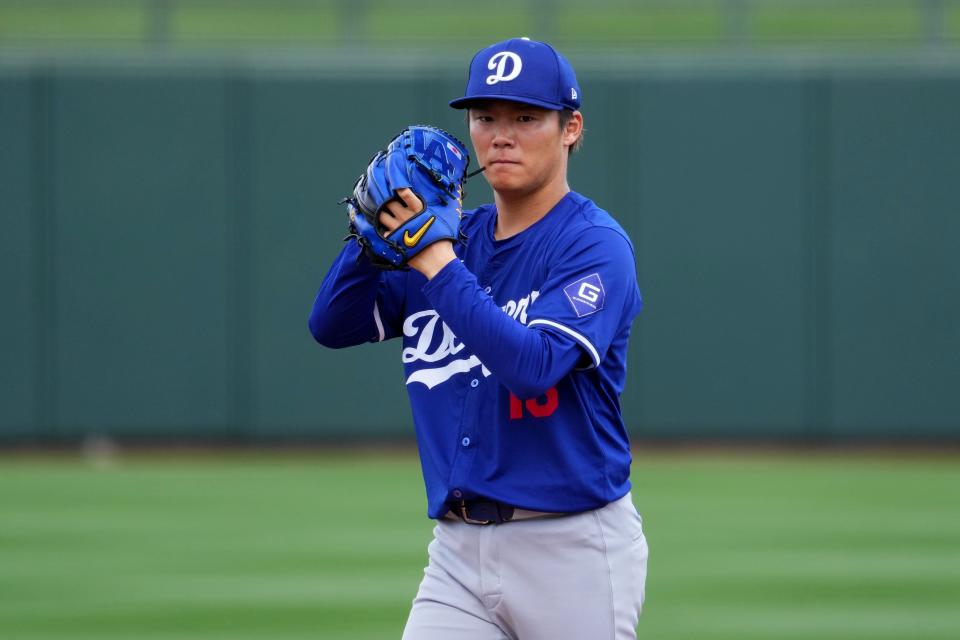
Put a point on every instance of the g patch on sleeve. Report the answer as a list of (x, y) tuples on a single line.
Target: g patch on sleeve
[(586, 295)]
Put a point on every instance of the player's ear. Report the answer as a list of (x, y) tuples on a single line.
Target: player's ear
[(572, 128)]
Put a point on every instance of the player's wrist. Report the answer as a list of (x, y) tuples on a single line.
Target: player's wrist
[(434, 258)]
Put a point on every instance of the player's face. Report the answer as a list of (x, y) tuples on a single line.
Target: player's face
[(521, 146)]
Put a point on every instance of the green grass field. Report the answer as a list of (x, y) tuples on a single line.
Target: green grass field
[(240, 546)]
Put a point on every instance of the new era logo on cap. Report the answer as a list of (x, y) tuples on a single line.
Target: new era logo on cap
[(521, 70)]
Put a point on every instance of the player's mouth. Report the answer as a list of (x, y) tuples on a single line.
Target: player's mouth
[(502, 161)]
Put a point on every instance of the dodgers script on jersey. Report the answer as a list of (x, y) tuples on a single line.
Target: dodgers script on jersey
[(514, 356)]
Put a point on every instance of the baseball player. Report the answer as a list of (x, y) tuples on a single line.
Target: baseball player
[(515, 319)]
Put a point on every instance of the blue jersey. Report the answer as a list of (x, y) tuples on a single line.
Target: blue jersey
[(515, 356)]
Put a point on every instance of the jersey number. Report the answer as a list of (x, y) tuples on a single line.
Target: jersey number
[(534, 407)]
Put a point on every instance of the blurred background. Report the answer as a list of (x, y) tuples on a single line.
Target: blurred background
[(169, 173)]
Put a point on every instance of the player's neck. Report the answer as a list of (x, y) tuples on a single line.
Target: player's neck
[(517, 212)]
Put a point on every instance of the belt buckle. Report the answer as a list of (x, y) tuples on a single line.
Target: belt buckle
[(468, 519), (498, 512)]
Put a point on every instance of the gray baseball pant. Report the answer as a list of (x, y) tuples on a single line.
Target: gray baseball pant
[(577, 577)]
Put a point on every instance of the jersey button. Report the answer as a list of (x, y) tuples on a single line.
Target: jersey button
[(457, 493), (465, 442), (474, 383), (487, 289)]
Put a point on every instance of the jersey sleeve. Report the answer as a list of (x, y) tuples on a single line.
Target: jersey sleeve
[(590, 292), (357, 302), (525, 360)]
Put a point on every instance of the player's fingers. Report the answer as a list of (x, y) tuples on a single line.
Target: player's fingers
[(410, 199), (398, 211), (389, 222)]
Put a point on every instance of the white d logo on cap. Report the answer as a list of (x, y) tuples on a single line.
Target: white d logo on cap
[(498, 64)]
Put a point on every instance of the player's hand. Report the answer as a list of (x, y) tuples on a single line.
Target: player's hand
[(431, 259), (396, 212)]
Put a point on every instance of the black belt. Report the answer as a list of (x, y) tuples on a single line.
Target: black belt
[(493, 512)]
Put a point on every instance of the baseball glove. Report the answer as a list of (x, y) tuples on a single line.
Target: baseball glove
[(430, 162)]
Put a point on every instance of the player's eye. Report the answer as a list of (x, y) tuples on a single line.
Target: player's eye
[(525, 118)]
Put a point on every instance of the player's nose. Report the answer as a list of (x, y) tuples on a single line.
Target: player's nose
[(502, 137)]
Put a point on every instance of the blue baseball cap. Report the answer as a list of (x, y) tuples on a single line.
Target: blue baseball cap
[(521, 70)]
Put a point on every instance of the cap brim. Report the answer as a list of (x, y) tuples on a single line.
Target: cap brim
[(467, 101)]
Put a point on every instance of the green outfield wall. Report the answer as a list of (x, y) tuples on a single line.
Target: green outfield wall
[(165, 225)]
